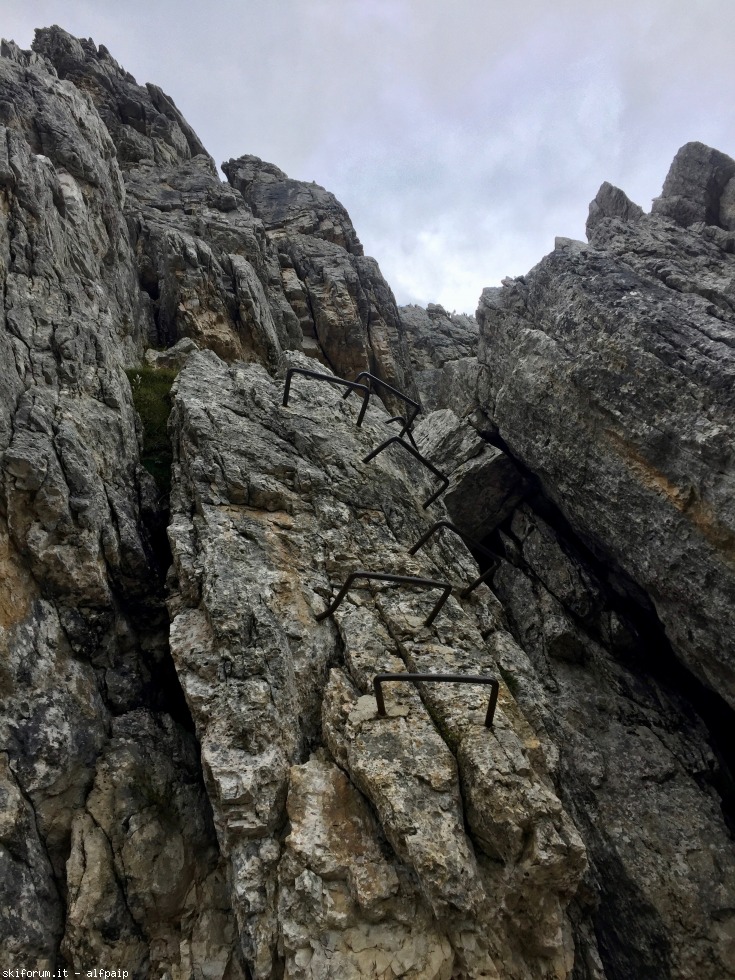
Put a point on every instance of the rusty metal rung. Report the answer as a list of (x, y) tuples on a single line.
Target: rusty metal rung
[(373, 379), (429, 583), (420, 458), (467, 540), (439, 679), (350, 385)]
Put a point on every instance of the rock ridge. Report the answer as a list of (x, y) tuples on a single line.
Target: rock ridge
[(639, 328)]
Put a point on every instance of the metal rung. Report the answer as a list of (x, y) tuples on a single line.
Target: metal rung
[(478, 581), (404, 430), (375, 380), (419, 457), (350, 385), (439, 679), (428, 583), (467, 540)]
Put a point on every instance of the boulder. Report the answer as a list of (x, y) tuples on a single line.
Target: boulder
[(484, 483)]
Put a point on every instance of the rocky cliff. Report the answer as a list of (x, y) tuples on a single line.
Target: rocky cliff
[(196, 779)]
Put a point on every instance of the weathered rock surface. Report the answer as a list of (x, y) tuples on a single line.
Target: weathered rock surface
[(609, 371), (635, 766), (85, 675), (283, 511), (484, 484), (698, 188), (442, 350), (264, 265), (143, 122), (172, 357), (345, 307), (266, 822)]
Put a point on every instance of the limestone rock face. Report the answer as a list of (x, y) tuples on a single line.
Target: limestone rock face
[(83, 633), (346, 309), (194, 777), (289, 205), (484, 484), (202, 257), (697, 188), (609, 372), (143, 122), (438, 847), (636, 766), (442, 348)]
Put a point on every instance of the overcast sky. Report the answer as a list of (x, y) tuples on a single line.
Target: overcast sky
[(461, 135)]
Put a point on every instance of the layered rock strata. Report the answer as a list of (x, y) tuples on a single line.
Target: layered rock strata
[(609, 372)]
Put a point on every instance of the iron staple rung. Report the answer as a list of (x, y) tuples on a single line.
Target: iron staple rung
[(375, 380), (439, 679), (479, 580), (467, 540), (428, 583), (405, 430), (332, 379), (420, 458)]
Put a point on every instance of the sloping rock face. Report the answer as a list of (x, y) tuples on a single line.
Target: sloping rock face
[(202, 258), (609, 371), (422, 844), (265, 265), (484, 484), (637, 770), (107, 848)]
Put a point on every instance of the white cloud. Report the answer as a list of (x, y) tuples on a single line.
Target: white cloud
[(462, 137)]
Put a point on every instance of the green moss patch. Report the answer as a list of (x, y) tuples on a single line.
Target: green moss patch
[(151, 389), (511, 681)]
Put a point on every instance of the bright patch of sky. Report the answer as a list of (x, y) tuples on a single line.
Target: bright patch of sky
[(461, 136)]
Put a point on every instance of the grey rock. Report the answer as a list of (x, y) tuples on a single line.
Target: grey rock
[(83, 632), (438, 336), (206, 264), (442, 348), (31, 916), (300, 834), (273, 509), (484, 483), (609, 373), (636, 766), (201, 255), (249, 270), (336, 884), (144, 122), (172, 357), (611, 202), (292, 206), (146, 823), (694, 186), (345, 307)]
